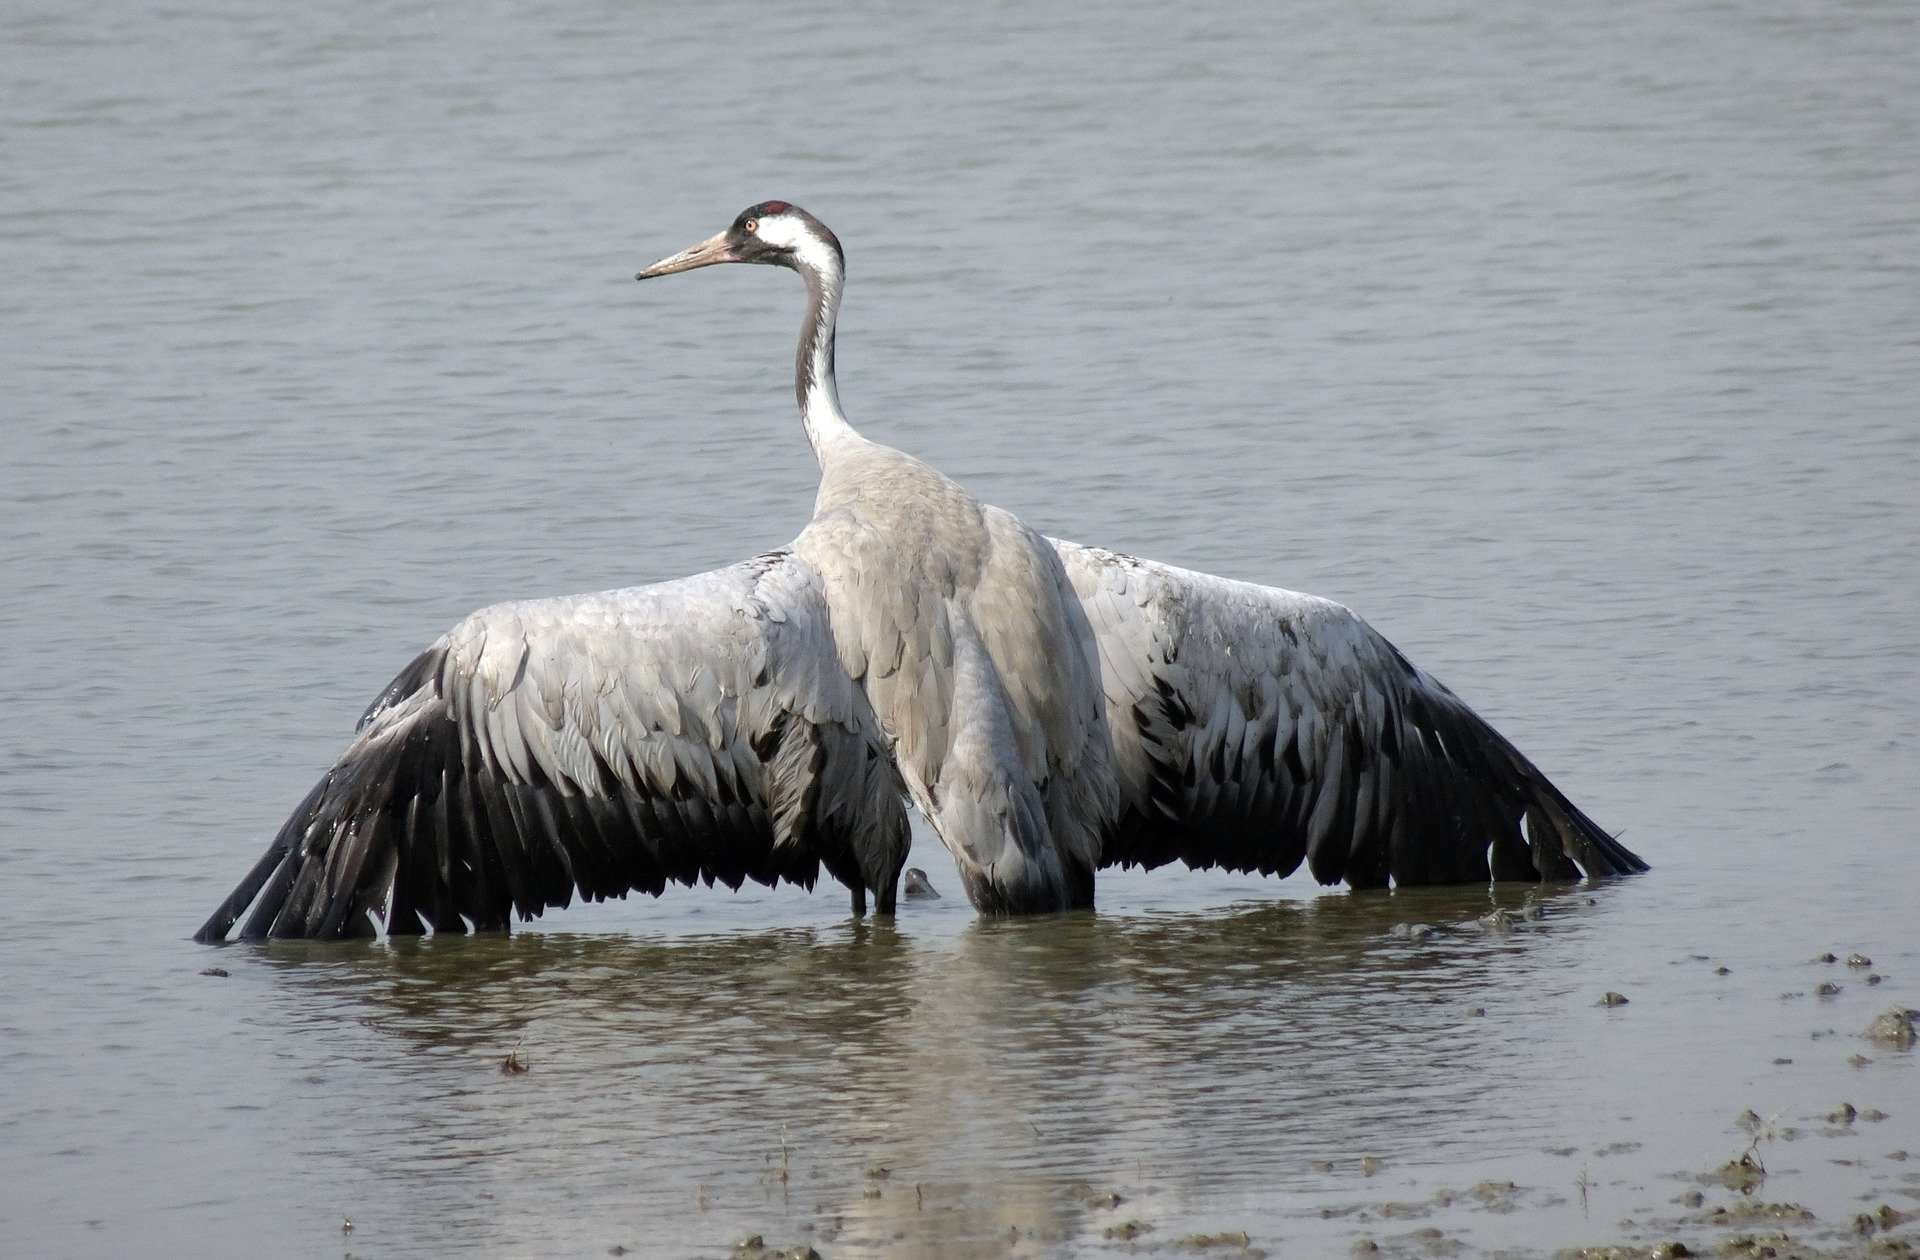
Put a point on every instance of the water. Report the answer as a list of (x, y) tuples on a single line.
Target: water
[(1577, 350)]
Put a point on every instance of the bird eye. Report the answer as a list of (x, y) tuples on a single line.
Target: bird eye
[(753, 225)]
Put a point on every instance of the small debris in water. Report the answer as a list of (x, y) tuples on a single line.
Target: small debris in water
[(1825, 958), (1723, 971), (1497, 1195), (1364, 1247), (346, 1224), (1858, 1060), (1610, 998), (616, 1250), (1873, 1115), (756, 1246), (1859, 960), (1749, 1120), (1741, 1174), (1874, 977), (513, 1064), (1501, 920), (1659, 1251), (1127, 1231), (1746, 1212), (1433, 1242), (1759, 1246), (214, 971), (1369, 1165), (1226, 1238), (1692, 1199), (1894, 1027), (1477, 1011), (877, 1173), (1827, 988)]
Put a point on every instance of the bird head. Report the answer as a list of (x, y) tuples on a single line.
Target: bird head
[(774, 232)]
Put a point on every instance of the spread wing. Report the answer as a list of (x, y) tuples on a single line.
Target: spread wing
[(1256, 727), (701, 729)]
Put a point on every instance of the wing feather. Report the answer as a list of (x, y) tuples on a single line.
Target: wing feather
[(1255, 727), (696, 730)]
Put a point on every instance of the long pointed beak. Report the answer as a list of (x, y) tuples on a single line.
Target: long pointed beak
[(715, 249)]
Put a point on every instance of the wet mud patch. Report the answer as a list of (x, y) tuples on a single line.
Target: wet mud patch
[(1772, 1138)]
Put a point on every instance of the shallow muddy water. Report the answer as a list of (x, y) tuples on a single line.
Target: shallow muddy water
[(1304, 1070), (1577, 352)]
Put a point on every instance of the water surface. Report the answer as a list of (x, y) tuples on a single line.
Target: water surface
[(1577, 351)]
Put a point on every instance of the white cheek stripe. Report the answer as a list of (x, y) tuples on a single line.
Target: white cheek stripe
[(786, 231), (814, 252), (780, 229)]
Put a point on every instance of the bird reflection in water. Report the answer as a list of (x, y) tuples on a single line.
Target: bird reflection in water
[(849, 1082)]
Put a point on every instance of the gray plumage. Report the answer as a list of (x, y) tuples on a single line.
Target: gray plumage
[(1050, 708), (1253, 727), (980, 668), (698, 730)]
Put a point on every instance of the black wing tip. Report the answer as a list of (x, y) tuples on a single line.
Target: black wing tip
[(415, 829), (1617, 861), (421, 672), (220, 922), (1558, 828)]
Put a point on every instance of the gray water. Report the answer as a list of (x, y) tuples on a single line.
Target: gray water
[(1577, 347)]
